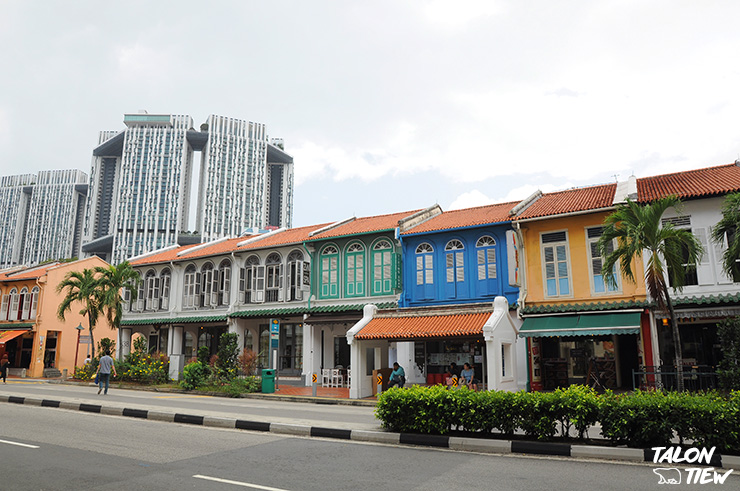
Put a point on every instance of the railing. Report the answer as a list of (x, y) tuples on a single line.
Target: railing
[(695, 378)]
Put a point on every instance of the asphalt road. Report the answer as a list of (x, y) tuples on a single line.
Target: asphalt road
[(56, 449)]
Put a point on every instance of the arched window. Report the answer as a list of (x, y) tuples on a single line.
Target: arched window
[(454, 267), (191, 287), (224, 282), (25, 304), (425, 271), (248, 276), (14, 301), (152, 290), (383, 270), (4, 306), (297, 276), (207, 290), (273, 278), (329, 266), (164, 280), (354, 260), (34, 301), (485, 250)]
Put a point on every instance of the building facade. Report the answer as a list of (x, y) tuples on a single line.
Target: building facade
[(37, 342), (42, 216), (142, 182), (578, 327)]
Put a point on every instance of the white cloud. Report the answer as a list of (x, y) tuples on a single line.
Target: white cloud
[(470, 199), (457, 14)]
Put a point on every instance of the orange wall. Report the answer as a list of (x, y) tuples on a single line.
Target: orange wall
[(47, 320), (578, 261)]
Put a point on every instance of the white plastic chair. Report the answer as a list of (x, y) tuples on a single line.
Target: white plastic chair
[(326, 377), (337, 379)]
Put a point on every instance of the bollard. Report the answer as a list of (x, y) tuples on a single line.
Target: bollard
[(380, 384), (315, 383)]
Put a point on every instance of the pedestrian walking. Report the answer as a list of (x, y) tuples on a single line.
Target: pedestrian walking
[(105, 366), (4, 363)]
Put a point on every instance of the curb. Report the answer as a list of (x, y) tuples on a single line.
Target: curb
[(465, 444)]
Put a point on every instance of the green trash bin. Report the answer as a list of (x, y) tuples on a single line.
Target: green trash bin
[(268, 381)]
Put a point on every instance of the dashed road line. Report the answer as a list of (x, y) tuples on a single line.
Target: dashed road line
[(238, 483)]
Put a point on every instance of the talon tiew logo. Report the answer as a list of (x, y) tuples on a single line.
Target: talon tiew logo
[(689, 475)]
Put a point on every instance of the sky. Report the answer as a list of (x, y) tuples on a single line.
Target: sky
[(390, 105)]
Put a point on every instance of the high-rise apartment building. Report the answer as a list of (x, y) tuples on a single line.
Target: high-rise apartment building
[(41, 216), (141, 181)]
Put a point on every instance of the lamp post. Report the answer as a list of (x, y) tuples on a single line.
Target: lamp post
[(77, 349)]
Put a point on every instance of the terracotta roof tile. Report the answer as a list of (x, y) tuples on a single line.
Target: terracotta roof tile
[(283, 237), (429, 326), (710, 181), (571, 200), (364, 225), (468, 217), (27, 273)]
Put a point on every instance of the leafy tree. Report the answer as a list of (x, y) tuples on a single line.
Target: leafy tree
[(228, 352), (113, 280), (729, 368), (637, 228), (728, 227), (81, 286)]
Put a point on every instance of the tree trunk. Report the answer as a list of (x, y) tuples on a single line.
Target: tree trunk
[(676, 341), (92, 340)]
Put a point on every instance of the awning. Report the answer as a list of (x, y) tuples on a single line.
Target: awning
[(425, 326), (6, 336), (173, 320), (582, 325)]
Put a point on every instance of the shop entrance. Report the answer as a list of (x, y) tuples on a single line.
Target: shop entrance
[(441, 353), (573, 360)]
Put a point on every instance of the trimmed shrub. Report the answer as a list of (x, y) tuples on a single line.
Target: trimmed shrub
[(194, 375), (642, 419)]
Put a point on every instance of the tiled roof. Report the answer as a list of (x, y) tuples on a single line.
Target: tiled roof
[(364, 225), (727, 299), (571, 200), (425, 326), (710, 181), (28, 273), (173, 320), (468, 217), (270, 312), (285, 237), (280, 238)]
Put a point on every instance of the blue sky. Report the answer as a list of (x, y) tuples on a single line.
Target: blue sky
[(390, 105)]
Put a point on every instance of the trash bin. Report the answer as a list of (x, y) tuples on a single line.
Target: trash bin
[(268, 381)]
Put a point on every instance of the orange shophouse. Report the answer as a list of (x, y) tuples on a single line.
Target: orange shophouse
[(577, 325), (37, 342)]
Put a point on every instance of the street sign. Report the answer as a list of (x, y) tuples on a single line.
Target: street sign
[(314, 378), (380, 379), (85, 339)]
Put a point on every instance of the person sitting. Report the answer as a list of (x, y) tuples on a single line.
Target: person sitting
[(467, 377), (451, 374), (398, 376)]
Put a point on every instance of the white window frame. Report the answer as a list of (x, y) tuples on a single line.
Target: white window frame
[(424, 264), (554, 245), (591, 243), (455, 261), (485, 248), (25, 306)]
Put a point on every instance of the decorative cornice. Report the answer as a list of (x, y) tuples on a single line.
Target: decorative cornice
[(584, 307)]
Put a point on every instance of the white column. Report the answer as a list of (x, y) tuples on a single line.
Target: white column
[(177, 359), (124, 342)]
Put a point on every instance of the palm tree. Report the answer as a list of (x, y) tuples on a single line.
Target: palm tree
[(637, 228), (113, 280), (728, 227), (81, 286)]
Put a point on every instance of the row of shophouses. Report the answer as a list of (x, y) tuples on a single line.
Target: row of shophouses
[(515, 289)]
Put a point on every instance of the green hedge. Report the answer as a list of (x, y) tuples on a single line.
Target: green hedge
[(640, 419)]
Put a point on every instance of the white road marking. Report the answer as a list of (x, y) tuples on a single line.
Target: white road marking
[(238, 483), (19, 444)]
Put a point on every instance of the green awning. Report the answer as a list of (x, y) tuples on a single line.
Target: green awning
[(173, 320), (582, 325)]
